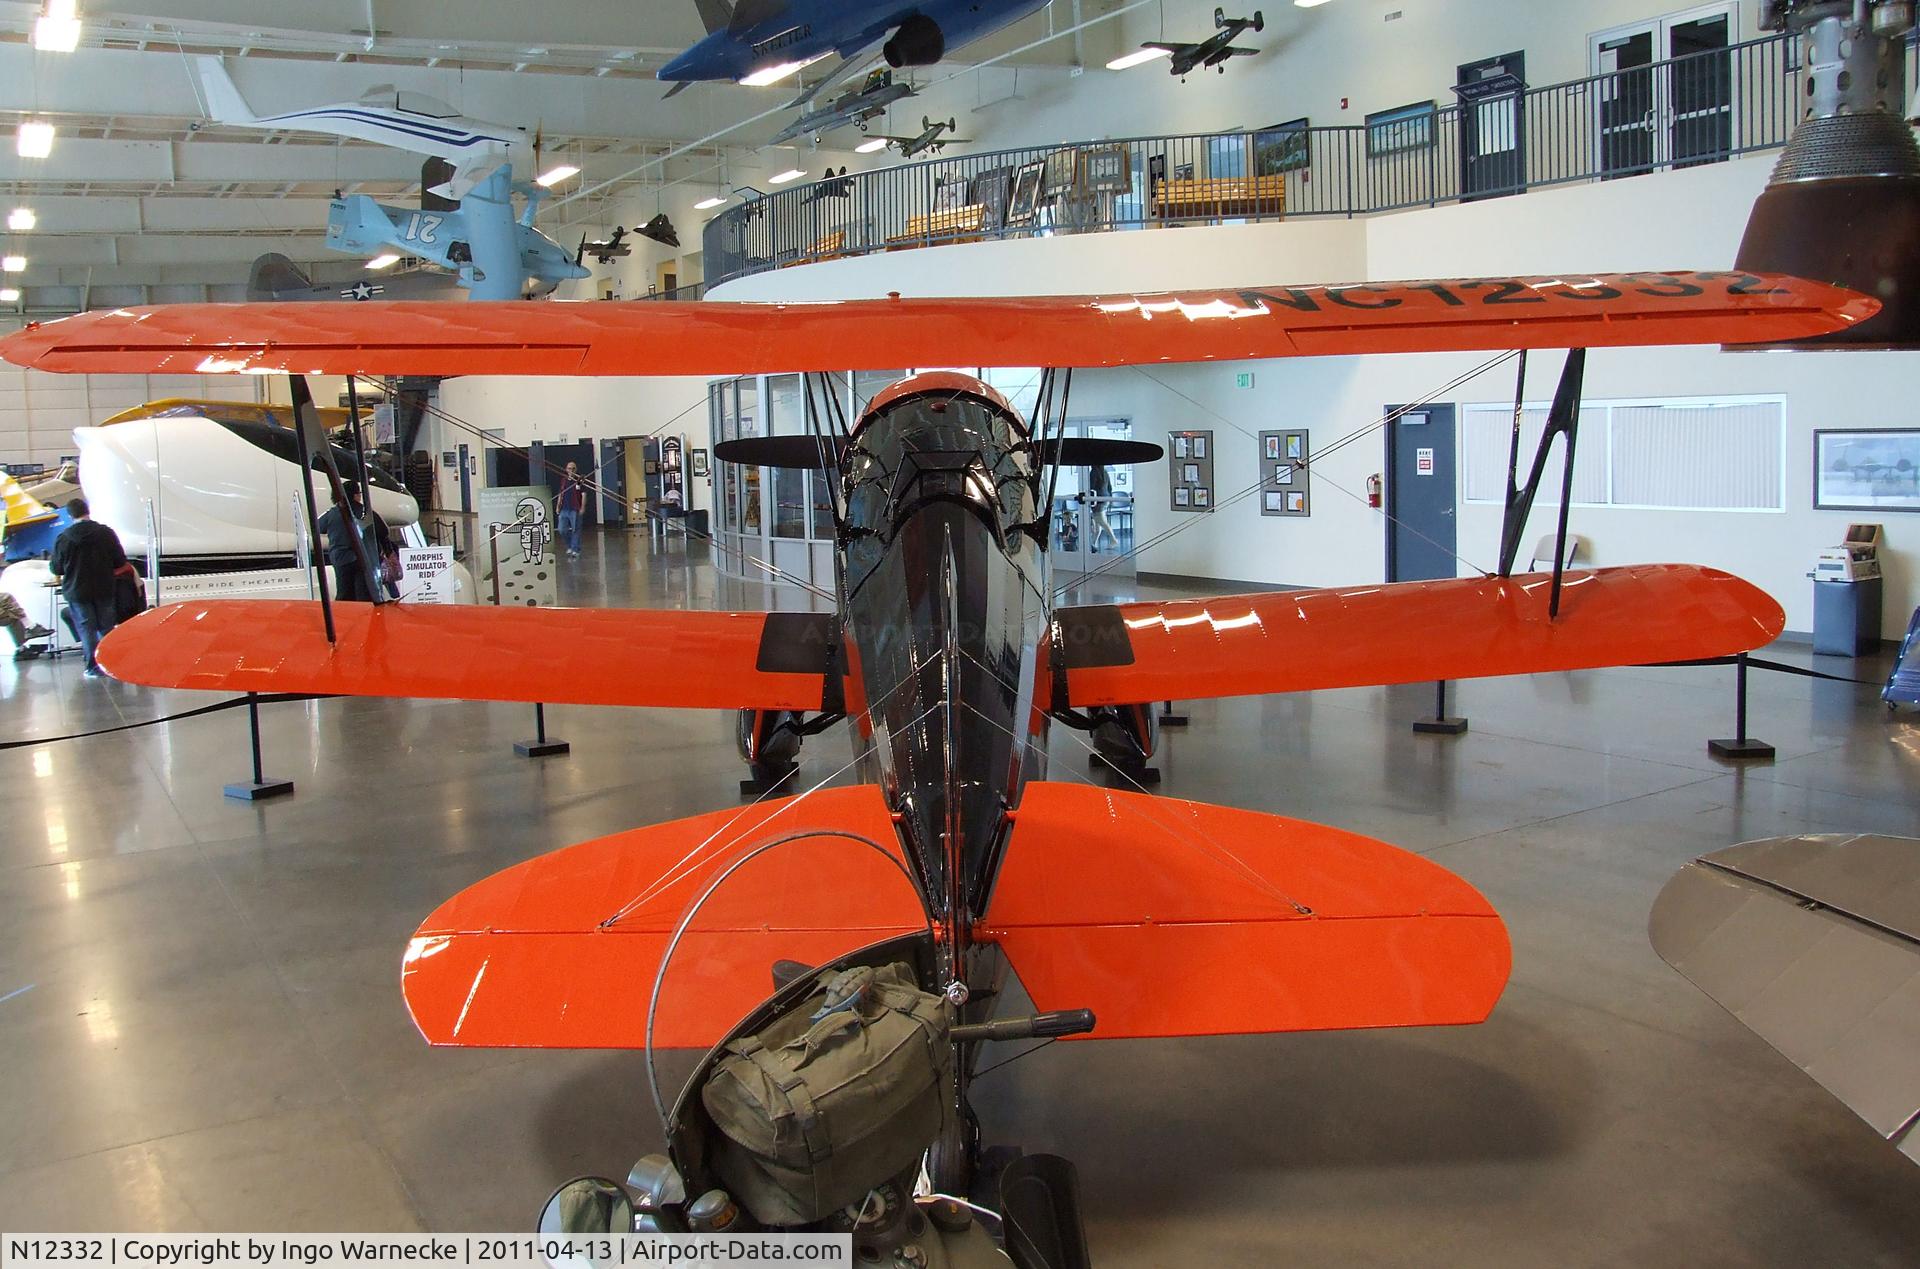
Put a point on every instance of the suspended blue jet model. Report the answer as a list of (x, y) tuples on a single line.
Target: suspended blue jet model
[(763, 41)]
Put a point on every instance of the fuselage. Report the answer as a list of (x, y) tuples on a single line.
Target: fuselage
[(807, 30), (944, 589)]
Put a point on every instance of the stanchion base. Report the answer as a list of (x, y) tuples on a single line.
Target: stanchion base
[(767, 779), (541, 748), (248, 791), (1138, 773), (1440, 726), (1174, 720), (1746, 749)]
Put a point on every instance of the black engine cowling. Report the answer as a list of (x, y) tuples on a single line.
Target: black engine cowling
[(918, 42)]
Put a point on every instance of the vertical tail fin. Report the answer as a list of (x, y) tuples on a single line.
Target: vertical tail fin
[(224, 102), (715, 15)]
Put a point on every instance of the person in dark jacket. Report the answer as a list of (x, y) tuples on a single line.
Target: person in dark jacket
[(572, 508), (350, 580), (85, 557)]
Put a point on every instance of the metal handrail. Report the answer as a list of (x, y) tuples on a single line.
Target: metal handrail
[(1604, 127)]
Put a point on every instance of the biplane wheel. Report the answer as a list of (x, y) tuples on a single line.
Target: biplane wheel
[(953, 1160)]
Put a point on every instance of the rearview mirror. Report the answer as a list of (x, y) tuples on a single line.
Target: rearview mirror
[(588, 1205)]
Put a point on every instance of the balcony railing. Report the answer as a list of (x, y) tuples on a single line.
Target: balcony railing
[(1702, 108)]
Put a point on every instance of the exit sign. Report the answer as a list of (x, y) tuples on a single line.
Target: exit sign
[(1244, 379)]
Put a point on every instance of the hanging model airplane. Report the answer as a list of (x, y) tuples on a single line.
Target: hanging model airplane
[(854, 107), (933, 137), (954, 856), (763, 41), (275, 278), (1216, 49), (496, 252)]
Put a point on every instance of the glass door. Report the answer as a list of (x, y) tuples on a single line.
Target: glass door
[(1680, 113), (1093, 521)]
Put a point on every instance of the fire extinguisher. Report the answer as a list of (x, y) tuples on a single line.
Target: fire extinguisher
[(1374, 490)]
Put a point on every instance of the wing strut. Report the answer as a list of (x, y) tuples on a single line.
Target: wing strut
[(1562, 420), (307, 433)]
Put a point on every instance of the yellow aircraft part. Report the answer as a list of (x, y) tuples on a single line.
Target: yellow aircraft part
[(22, 507)]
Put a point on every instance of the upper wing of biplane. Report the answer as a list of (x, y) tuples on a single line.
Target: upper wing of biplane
[(1408, 632), (570, 656), (720, 338)]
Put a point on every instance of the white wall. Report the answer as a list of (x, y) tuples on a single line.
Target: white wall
[(548, 409), (1690, 219), (38, 411)]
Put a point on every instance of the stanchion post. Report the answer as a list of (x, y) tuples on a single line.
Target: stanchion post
[(540, 746), (1170, 719), (261, 787), (1740, 747), (1440, 724)]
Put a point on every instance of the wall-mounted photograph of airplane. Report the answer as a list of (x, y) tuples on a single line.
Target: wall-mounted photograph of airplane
[(1216, 49), (759, 42), (855, 106), (467, 222), (953, 862)]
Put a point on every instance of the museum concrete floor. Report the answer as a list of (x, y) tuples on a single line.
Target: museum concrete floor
[(200, 1024)]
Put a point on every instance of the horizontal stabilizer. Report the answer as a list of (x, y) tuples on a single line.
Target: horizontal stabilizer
[(733, 338), (559, 656), (1408, 632), (1814, 943), (562, 951), (1171, 918)]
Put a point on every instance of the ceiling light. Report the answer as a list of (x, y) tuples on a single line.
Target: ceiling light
[(774, 74), (1137, 58), (9, 295), (870, 145), (34, 140), (554, 175), (385, 260), (791, 174), (57, 29), (705, 203), (13, 264), (21, 219), (1308, 4)]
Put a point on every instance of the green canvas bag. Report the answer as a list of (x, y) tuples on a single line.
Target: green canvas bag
[(838, 1095)]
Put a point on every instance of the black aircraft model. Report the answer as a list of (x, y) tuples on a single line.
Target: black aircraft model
[(1216, 48), (934, 136), (833, 185), (605, 252)]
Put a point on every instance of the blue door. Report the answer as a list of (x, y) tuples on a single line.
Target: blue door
[(1421, 526)]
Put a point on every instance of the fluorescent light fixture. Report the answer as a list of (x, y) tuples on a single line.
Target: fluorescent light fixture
[(1139, 57), (554, 175), (9, 295), (870, 145), (57, 29), (706, 203), (21, 219), (385, 260), (774, 74), (1308, 4), (34, 139), (13, 264), (791, 174)]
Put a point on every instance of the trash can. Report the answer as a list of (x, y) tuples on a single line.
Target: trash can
[(1846, 617)]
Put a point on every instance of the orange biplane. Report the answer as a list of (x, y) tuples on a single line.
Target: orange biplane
[(1122, 915)]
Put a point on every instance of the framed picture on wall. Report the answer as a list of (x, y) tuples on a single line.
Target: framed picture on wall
[(1180, 496), (1273, 447), (1866, 469), (989, 192), (1062, 171), (948, 195), (700, 467), (1202, 496), (1401, 129), (1026, 192), (1285, 147), (1107, 170)]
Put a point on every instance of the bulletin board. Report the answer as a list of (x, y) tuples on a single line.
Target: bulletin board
[(1190, 479), (1285, 485)]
